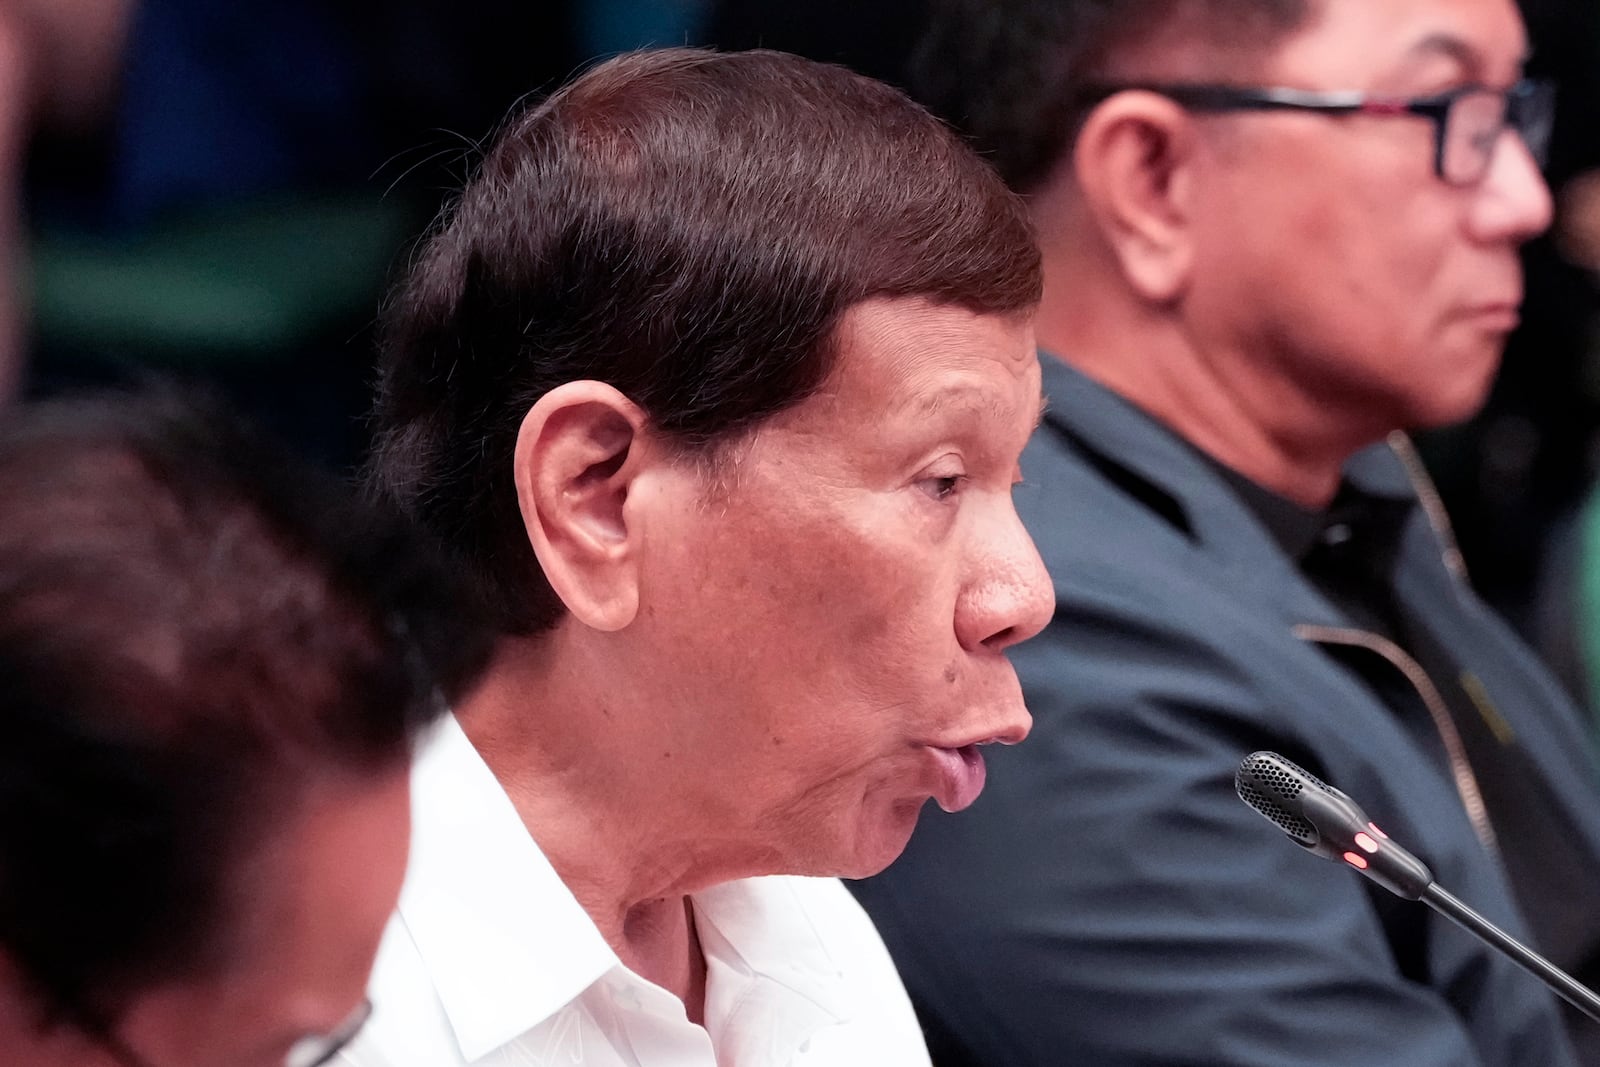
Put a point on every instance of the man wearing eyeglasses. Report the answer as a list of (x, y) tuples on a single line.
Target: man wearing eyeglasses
[(1276, 234)]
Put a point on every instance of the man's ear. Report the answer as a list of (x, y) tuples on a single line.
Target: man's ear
[(578, 452), (1133, 161)]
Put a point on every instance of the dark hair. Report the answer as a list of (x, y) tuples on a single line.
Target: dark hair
[(688, 227), (193, 634), (1015, 76)]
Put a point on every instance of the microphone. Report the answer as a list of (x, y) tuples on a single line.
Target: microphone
[(1325, 821)]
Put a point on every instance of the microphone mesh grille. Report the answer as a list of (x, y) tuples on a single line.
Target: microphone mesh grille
[(1274, 781)]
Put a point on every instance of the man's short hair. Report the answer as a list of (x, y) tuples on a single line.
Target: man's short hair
[(688, 227), (1016, 76), (195, 633)]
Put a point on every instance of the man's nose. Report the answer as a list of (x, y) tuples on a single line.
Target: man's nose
[(1514, 202), (1010, 597)]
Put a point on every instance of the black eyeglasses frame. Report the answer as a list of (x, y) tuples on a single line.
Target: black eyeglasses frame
[(1529, 107)]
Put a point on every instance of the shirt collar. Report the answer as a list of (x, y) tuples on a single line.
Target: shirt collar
[(770, 973), (1122, 435), (1295, 529), (1357, 519), (504, 941)]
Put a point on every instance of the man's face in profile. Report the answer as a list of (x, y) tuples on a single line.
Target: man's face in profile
[(839, 608), (1332, 246)]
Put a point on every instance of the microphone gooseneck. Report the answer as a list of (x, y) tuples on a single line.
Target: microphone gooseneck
[(1321, 819)]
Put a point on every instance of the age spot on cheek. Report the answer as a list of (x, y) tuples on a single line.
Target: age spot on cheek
[(950, 674)]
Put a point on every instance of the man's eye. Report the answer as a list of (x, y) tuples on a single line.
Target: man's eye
[(946, 487)]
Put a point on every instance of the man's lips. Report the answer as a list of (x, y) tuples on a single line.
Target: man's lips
[(1499, 317), (959, 769)]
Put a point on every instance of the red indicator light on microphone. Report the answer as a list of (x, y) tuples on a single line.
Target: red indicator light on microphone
[(1355, 860), (1367, 844), (1377, 832)]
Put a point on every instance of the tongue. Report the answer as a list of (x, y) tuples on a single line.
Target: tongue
[(963, 774)]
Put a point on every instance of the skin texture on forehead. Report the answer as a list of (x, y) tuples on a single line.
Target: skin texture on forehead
[(1370, 45), (906, 383), (1403, 46)]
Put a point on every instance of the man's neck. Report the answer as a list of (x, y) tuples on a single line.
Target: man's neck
[(547, 730), (662, 944), (1214, 421), (1228, 406)]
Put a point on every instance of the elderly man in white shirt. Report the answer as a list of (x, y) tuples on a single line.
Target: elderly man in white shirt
[(715, 380)]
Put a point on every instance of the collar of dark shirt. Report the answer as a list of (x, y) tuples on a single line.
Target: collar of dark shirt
[(1355, 518)]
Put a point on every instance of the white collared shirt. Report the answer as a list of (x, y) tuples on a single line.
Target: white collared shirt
[(490, 960)]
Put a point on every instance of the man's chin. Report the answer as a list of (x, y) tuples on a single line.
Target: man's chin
[(881, 843), (1450, 411), (1458, 400)]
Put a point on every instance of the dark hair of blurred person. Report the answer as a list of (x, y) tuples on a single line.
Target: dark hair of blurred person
[(701, 273), (214, 666)]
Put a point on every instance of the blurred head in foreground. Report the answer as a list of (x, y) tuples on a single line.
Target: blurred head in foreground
[(214, 664)]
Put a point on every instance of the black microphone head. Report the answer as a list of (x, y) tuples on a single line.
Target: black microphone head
[(1272, 785), (1323, 820)]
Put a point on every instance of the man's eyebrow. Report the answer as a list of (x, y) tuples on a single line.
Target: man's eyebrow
[(1471, 60), (959, 397), (970, 400), (1450, 47)]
